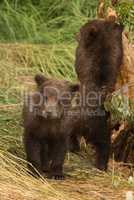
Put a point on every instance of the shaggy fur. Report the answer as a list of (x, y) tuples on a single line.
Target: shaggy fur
[(45, 136), (98, 60)]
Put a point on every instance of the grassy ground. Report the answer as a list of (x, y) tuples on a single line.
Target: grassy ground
[(52, 21), (18, 64), (39, 21)]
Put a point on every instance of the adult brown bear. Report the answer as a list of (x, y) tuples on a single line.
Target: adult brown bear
[(45, 134), (98, 59)]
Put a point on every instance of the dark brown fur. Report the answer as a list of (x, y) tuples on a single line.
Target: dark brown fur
[(98, 60), (45, 136)]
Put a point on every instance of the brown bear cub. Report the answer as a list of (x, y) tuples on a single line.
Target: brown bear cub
[(98, 62), (45, 136)]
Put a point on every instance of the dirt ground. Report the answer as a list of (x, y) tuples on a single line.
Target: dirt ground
[(86, 183)]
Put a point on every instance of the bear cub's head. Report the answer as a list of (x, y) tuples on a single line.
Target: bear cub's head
[(53, 97)]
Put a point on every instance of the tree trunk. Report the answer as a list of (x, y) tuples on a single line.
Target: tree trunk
[(123, 140)]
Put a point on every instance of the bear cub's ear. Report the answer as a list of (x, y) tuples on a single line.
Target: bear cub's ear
[(40, 79), (93, 31), (87, 33)]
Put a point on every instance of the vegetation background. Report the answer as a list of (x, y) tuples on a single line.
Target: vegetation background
[(39, 36)]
